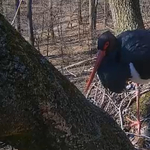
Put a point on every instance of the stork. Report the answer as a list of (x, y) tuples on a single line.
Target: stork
[(121, 59)]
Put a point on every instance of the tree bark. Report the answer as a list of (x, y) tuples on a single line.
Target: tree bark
[(126, 15), (30, 22), (41, 110)]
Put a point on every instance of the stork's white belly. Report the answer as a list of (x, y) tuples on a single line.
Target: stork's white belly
[(136, 77)]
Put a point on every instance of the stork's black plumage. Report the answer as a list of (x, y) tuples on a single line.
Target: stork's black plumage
[(129, 47), (123, 58)]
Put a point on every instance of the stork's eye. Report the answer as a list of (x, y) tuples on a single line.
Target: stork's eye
[(106, 45)]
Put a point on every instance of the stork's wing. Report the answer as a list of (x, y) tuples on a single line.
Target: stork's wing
[(135, 48), (113, 75)]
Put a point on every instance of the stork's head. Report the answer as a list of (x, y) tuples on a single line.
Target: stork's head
[(106, 44)]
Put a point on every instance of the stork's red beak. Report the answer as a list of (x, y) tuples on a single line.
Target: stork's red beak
[(97, 64)]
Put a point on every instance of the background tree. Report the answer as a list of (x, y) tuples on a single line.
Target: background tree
[(92, 21), (41, 109), (18, 25), (30, 23), (126, 15), (79, 12), (1, 7), (51, 21), (79, 19)]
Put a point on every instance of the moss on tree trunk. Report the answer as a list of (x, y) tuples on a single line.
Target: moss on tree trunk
[(126, 15), (41, 110)]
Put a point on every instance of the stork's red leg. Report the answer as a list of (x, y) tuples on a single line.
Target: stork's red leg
[(138, 107), (138, 122)]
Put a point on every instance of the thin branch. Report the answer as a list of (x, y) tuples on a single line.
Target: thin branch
[(16, 12), (79, 63), (71, 73)]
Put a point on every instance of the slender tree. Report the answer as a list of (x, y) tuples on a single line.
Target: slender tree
[(92, 20), (30, 22), (79, 20), (1, 6), (79, 12), (51, 21), (126, 15)]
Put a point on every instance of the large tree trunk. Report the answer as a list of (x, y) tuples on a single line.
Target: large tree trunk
[(126, 15), (41, 110)]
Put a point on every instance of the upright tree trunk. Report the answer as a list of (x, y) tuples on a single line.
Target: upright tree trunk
[(18, 26), (92, 21), (91, 15), (1, 6), (79, 20), (30, 23), (41, 110), (51, 20), (126, 15), (79, 12), (95, 14)]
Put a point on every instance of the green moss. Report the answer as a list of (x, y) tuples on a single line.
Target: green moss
[(144, 105)]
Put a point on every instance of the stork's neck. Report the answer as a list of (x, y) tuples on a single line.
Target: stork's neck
[(118, 51), (114, 51)]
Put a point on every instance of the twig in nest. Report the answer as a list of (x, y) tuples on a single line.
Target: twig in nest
[(88, 70), (103, 98), (126, 97), (95, 96), (89, 91), (107, 106), (121, 118), (120, 111), (112, 101), (144, 136)]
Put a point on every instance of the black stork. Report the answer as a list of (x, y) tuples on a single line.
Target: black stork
[(121, 59)]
